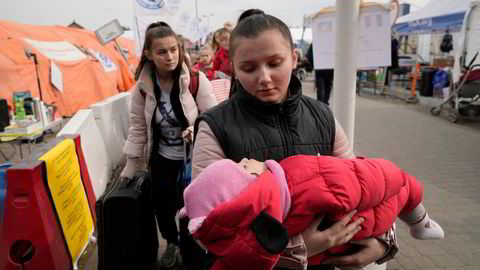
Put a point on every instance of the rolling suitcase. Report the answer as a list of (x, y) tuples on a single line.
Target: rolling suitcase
[(126, 227)]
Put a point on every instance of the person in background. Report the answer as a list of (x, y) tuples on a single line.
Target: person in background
[(323, 79), (162, 110), (267, 117), (181, 42), (206, 64), (221, 63), (215, 41), (394, 59)]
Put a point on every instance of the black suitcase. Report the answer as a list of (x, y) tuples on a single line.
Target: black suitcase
[(126, 227), (426, 82)]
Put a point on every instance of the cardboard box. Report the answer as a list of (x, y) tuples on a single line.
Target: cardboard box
[(443, 62)]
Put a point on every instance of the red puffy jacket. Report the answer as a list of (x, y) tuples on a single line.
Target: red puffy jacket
[(377, 188)]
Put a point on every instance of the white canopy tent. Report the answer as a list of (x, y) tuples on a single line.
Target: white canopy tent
[(435, 16)]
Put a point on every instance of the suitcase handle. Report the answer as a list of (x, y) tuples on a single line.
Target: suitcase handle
[(126, 182)]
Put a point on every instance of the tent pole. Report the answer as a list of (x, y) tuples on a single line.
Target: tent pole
[(38, 76), (344, 83)]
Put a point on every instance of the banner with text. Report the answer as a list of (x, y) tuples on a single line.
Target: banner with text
[(57, 50), (147, 12), (373, 35), (68, 194)]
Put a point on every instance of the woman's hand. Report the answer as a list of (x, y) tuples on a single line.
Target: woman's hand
[(371, 249), (338, 234), (187, 134)]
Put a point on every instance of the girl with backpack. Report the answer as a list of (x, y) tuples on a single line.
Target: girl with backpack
[(166, 100)]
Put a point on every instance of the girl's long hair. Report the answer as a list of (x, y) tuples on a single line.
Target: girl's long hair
[(161, 30)]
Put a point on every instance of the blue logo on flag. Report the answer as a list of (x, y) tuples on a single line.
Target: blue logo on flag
[(151, 4)]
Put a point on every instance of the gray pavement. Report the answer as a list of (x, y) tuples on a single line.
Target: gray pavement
[(444, 156)]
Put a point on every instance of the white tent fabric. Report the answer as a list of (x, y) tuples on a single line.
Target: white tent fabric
[(469, 42), (436, 15), (436, 8)]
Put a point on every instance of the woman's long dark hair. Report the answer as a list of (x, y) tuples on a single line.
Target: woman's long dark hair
[(161, 30), (251, 24)]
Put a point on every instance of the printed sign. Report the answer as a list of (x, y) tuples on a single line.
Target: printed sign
[(109, 32), (107, 63), (373, 34), (57, 50), (182, 23), (69, 198), (140, 27), (56, 76)]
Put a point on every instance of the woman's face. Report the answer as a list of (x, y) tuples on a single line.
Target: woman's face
[(164, 53), (264, 64)]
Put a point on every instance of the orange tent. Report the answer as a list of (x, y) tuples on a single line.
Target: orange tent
[(90, 72)]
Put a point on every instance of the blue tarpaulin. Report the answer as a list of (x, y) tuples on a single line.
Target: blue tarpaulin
[(435, 16)]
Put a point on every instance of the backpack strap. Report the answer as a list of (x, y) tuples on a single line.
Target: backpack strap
[(194, 83), (193, 87)]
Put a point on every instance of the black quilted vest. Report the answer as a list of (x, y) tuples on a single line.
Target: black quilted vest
[(248, 128)]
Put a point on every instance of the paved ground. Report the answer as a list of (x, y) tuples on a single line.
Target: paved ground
[(445, 156)]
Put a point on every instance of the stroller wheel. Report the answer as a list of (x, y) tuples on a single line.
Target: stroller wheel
[(452, 113), (453, 117), (435, 111), (302, 74)]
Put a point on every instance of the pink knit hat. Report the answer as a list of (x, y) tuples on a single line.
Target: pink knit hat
[(221, 182)]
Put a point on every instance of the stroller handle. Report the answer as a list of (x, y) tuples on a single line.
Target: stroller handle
[(472, 61)]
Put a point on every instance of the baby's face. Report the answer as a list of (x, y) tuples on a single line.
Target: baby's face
[(253, 166)]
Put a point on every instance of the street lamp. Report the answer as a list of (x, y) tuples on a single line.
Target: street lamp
[(208, 19)]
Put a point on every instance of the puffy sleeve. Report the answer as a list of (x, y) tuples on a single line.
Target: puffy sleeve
[(342, 147), (137, 133), (205, 98), (206, 149)]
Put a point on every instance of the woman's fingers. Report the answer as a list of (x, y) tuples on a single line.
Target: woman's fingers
[(344, 221), (371, 249), (342, 232)]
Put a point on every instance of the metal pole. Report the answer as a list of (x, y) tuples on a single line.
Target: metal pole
[(344, 82), (196, 10), (198, 24), (38, 76), (122, 53)]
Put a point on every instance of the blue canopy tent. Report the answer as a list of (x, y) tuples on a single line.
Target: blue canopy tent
[(436, 16)]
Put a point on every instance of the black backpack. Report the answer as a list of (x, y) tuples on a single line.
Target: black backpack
[(447, 43)]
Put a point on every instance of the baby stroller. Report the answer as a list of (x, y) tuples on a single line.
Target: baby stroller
[(303, 68), (464, 100)]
